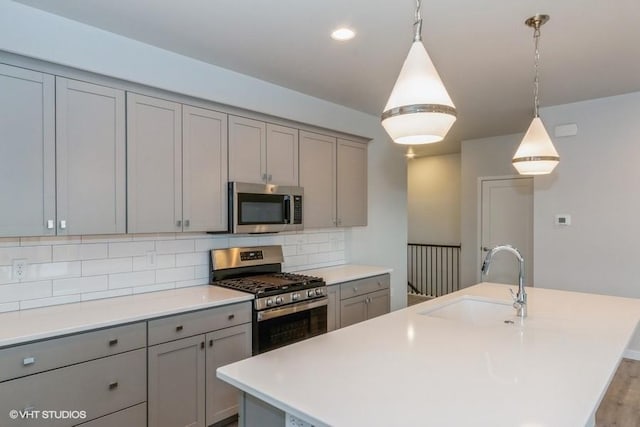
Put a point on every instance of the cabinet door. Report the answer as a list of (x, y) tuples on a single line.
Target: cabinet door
[(352, 183), (154, 165), (247, 150), (27, 152), (333, 308), (223, 347), (353, 310), (176, 393), (90, 158), (377, 303), (318, 178), (204, 169), (282, 155)]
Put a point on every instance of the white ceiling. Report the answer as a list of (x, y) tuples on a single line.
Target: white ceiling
[(482, 49)]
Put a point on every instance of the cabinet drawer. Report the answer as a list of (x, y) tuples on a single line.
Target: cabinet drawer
[(198, 322), (136, 416), (364, 286), (41, 356), (98, 387)]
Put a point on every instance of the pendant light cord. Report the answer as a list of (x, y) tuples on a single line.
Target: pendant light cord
[(418, 24), (536, 80)]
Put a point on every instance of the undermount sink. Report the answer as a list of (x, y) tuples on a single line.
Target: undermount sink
[(475, 311)]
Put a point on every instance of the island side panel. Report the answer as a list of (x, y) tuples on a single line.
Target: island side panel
[(254, 412)]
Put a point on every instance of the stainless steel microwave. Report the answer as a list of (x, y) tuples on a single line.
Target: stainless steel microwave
[(264, 208)]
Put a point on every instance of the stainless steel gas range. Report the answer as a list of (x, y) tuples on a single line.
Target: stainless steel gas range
[(287, 307)]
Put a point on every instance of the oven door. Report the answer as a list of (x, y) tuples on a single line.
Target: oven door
[(280, 326)]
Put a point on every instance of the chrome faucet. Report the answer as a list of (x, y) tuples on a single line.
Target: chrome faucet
[(519, 299)]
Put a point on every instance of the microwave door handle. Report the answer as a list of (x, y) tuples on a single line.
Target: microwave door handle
[(287, 210)]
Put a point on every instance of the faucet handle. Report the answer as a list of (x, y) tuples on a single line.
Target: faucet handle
[(513, 295)]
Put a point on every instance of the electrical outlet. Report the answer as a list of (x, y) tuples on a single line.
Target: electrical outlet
[(151, 259), (19, 269)]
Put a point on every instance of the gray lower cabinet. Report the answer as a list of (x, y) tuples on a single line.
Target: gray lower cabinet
[(27, 152), (333, 307), (183, 387), (177, 383), (364, 299), (89, 375), (135, 416)]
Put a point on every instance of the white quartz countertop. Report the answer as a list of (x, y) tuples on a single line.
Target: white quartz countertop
[(405, 368), (28, 325), (346, 272)]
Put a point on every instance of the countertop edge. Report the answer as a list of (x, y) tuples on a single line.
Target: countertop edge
[(346, 272)]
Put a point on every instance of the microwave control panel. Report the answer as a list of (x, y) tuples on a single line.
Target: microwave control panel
[(297, 209)]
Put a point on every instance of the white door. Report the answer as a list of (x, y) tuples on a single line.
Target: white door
[(507, 218)]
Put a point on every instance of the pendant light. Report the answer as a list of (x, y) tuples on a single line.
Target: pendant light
[(419, 109), (536, 154)]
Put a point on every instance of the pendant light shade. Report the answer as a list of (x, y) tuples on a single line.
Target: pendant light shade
[(536, 154), (419, 109)]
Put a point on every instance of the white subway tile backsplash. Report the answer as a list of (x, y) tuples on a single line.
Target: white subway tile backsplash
[(33, 254), (107, 294), (175, 246), (162, 261), (44, 302), (175, 274), (53, 270), (131, 280), (67, 269), (134, 248), (49, 240), (195, 282), (154, 288), (242, 241), (80, 285), (9, 306), (25, 291), (79, 252), (107, 266), (194, 258)]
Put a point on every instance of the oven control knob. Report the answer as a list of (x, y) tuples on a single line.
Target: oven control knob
[(269, 302), (310, 293), (295, 296), (318, 291), (279, 300)]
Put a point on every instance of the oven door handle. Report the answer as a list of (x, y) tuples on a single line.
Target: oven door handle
[(292, 308)]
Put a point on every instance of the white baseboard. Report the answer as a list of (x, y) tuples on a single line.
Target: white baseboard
[(632, 354)]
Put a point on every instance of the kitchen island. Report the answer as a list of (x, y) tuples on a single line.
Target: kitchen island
[(433, 365)]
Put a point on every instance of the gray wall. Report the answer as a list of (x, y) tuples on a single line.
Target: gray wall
[(30, 32)]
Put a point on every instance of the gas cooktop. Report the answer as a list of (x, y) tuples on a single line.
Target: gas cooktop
[(271, 283)]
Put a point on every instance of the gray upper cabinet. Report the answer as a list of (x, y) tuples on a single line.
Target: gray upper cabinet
[(333, 173), (318, 178), (154, 165), (204, 172), (27, 152), (352, 183), (90, 158), (282, 155), (262, 153)]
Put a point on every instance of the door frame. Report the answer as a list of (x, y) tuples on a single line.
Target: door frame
[(481, 179)]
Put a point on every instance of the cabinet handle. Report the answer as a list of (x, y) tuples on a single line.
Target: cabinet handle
[(29, 409), (210, 343), (113, 385), (202, 345), (186, 222), (113, 342), (49, 224), (28, 361), (339, 221), (379, 283), (179, 223), (63, 224), (179, 328), (270, 177), (264, 177), (231, 316), (355, 289)]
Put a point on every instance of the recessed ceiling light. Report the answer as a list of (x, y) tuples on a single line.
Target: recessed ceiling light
[(343, 34)]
